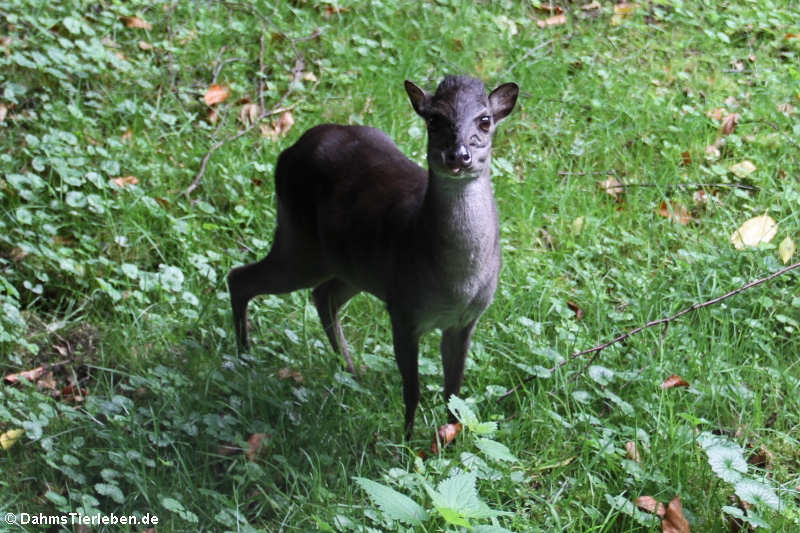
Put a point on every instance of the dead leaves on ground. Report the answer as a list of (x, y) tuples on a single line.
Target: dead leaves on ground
[(672, 517), (64, 386)]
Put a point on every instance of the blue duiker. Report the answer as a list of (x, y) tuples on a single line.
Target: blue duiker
[(355, 214)]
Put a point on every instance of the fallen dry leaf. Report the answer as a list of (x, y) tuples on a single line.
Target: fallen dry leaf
[(785, 108), (124, 181), (212, 116), (226, 449), (612, 186), (73, 393), (674, 381), (126, 136), (712, 150), (717, 113), (10, 437), (555, 20), (591, 6), (754, 231), (550, 9), (254, 445), (285, 123), (286, 373), (674, 521), (249, 113), (625, 8), (445, 435), (331, 10), (686, 159), (675, 212), (216, 94), (650, 504), (3, 111), (31, 375), (632, 451), (786, 249), (743, 169), (729, 124), (279, 128), (144, 45), (576, 309), (763, 458), (136, 22)]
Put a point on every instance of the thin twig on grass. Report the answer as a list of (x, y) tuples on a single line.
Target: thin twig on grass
[(620, 338)]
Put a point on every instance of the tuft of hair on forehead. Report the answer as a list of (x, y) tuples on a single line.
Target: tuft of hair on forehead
[(451, 84)]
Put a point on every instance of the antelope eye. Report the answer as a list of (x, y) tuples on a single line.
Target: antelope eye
[(485, 123)]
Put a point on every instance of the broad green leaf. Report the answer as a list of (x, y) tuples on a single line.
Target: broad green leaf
[(394, 505), (490, 529), (458, 493), (751, 517), (462, 411), (495, 450), (758, 493), (110, 490), (727, 462)]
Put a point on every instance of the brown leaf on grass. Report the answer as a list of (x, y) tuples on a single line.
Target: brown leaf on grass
[(279, 128), (728, 124), (675, 212), (650, 505), (73, 393), (136, 22), (126, 136), (3, 111), (31, 375), (445, 435), (686, 158), (612, 186), (575, 309), (717, 113), (591, 6), (674, 521), (285, 123), (548, 8), (226, 449), (249, 113), (331, 10), (555, 20), (625, 8), (632, 451), (762, 458), (674, 381), (212, 116), (254, 445), (124, 181), (47, 381), (786, 108), (286, 373), (789, 36), (216, 94)]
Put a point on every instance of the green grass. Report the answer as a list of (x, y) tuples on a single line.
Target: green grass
[(125, 287)]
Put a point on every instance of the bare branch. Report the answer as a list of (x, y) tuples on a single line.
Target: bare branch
[(652, 323)]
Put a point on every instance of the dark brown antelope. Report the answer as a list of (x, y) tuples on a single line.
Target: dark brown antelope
[(355, 214)]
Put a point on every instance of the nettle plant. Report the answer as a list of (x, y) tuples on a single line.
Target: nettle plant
[(442, 489)]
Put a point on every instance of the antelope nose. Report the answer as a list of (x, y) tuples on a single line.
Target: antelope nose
[(460, 156)]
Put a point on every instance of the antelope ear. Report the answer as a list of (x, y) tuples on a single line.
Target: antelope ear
[(419, 99), (502, 100)]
